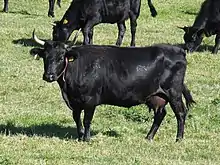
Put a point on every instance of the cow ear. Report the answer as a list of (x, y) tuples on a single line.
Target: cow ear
[(185, 28), (201, 32), (37, 52), (72, 55)]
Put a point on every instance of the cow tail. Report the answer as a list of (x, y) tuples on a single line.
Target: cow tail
[(59, 3), (188, 97), (152, 8)]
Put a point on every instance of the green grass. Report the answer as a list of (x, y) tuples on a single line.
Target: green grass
[(36, 126)]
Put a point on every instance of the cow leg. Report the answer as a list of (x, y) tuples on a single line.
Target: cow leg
[(91, 37), (76, 117), (87, 29), (159, 115), (88, 115), (51, 8), (5, 9), (133, 21), (121, 32), (152, 8), (179, 110), (217, 43)]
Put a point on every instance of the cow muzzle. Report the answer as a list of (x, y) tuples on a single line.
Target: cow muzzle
[(49, 77)]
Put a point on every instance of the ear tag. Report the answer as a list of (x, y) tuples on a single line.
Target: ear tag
[(71, 59), (203, 35), (65, 21)]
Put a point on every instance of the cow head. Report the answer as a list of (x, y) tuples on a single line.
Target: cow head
[(71, 21), (193, 37), (55, 58), (61, 31)]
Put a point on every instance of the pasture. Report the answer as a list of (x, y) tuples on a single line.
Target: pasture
[(36, 126)]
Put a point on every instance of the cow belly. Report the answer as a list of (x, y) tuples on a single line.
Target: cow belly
[(114, 18), (128, 101)]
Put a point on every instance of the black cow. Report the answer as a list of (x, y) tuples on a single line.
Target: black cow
[(88, 13), (50, 10), (91, 75), (207, 23)]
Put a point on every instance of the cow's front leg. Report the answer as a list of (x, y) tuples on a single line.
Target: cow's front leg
[(217, 42), (91, 37), (51, 8), (88, 115), (5, 9), (76, 117), (121, 32), (88, 30)]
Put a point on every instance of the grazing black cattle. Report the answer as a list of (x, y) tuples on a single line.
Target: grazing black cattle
[(92, 75), (88, 13), (50, 10), (207, 23)]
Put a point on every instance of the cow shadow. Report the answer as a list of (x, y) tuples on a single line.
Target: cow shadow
[(204, 47), (189, 12), (22, 12), (45, 130), (201, 48), (29, 42), (111, 133)]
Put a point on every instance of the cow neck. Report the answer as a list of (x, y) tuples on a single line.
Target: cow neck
[(64, 70)]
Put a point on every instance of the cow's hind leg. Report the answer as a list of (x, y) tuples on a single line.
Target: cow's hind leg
[(159, 115), (217, 43), (77, 119), (121, 32), (5, 9), (51, 8), (88, 115), (180, 112), (133, 22)]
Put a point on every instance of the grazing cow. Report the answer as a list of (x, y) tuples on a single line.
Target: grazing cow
[(86, 14), (92, 75), (207, 23), (50, 11)]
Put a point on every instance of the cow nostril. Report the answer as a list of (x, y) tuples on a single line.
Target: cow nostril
[(49, 77)]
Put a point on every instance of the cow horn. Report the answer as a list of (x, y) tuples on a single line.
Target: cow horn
[(180, 27), (76, 36), (53, 24), (41, 42)]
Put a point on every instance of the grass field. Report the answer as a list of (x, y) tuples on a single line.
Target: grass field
[(36, 126)]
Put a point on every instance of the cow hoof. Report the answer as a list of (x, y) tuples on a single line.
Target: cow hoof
[(86, 139), (51, 15), (5, 10), (80, 139), (150, 139), (179, 139)]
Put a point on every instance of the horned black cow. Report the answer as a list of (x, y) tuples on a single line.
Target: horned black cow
[(88, 13), (91, 75), (207, 23), (50, 10)]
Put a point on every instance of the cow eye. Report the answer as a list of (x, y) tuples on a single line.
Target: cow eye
[(194, 37), (61, 58)]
